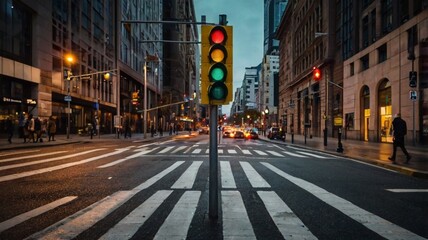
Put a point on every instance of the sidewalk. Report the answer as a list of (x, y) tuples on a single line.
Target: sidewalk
[(368, 152), (18, 143)]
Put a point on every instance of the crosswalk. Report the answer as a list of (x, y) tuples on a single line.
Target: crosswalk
[(180, 177), (203, 150)]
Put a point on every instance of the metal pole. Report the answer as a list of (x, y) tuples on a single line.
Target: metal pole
[(213, 177), (414, 124), (68, 110), (145, 100)]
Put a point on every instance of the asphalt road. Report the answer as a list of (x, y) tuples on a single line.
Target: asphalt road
[(146, 190)]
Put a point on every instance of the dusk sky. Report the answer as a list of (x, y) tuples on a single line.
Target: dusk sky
[(246, 17)]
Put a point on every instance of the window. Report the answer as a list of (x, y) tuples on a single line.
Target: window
[(351, 69), (382, 53), (365, 31), (364, 62), (386, 17)]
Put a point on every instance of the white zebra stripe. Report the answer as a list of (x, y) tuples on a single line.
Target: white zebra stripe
[(227, 180), (294, 154), (275, 153), (178, 221), (167, 149), (128, 226), (236, 224), (187, 179), (311, 154), (260, 153), (246, 152), (35, 212), (375, 223), (253, 176), (290, 226)]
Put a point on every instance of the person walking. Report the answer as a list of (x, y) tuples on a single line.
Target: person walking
[(9, 127), (51, 128), (38, 129), (399, 130), (31, 128)]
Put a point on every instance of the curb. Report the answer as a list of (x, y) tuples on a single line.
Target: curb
[(398, 168)]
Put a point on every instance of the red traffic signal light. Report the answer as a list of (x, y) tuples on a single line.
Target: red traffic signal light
[(317, 73), (216, 62)]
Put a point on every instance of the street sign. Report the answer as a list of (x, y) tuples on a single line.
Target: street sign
[(413, 95), (67, 98)]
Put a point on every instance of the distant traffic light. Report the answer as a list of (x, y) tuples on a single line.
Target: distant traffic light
[(317, 73), (413, 79), (216, 61)]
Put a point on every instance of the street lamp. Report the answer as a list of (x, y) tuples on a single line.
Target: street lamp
[(70, 59)]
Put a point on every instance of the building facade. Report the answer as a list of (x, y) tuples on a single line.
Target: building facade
[(38, 36), (365, 51)]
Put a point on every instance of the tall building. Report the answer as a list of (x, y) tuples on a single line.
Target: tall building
[(273, 10), (268, 88), (37, 38), (250, 87)]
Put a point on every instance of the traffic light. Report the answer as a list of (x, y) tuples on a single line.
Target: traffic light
[(317, 73), (216, 65), (413, 79)]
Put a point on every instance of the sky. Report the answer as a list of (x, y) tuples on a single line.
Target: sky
[(246, 17)]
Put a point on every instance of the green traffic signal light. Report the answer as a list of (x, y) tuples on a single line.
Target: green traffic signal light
[(218, 73)]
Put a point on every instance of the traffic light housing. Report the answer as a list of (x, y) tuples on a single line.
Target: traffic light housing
[(216, 65), (317, 73), (413, 79)]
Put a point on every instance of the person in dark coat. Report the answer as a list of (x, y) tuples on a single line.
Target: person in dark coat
[(399, 129), (9, 127)]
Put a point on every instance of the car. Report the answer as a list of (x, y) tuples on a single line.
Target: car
[(226, 134), (238, 134), (204, 130), (251, 135), (274, 133)]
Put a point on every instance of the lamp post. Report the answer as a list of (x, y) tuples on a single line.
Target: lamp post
[(70, 59)]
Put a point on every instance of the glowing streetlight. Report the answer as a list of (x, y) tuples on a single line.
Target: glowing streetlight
[(69, 58)]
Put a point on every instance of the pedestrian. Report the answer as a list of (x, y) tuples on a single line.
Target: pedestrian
[(38, 129), (31, 128), (127, 127), (51, 128), (160, 130), (152, 130), (21, 125), (9, 127), (399, 130)]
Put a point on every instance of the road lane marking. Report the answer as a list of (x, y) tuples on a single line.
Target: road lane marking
[(236, 224), (177, 223), (408, 190), (187, 179), (227, 180), (375, 223), (59, 167), (48, 160), (253, 176), (246, 152), (312, 155), (129, 225), (232, 151), (135, 155), (31, 156), (220, 151), (196, 151), (167, 149), (294, 154), (290, 226), (275, 153), (35, 212), (15, 152), (72, 226), (260, 153), (178, 149)]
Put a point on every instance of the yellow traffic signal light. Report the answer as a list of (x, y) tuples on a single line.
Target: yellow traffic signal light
[(216, 65)]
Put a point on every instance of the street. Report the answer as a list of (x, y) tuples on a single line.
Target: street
[(159, 190)]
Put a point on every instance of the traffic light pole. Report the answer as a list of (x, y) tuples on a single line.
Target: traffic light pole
[(213, 174)]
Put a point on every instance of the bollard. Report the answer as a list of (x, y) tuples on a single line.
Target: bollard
[(339, 141)]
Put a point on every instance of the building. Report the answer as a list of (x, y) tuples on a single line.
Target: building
[(273, 10), (38, 36), (390, 41), (250, 87), (268, 89), (365, 51), (306, 105)]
